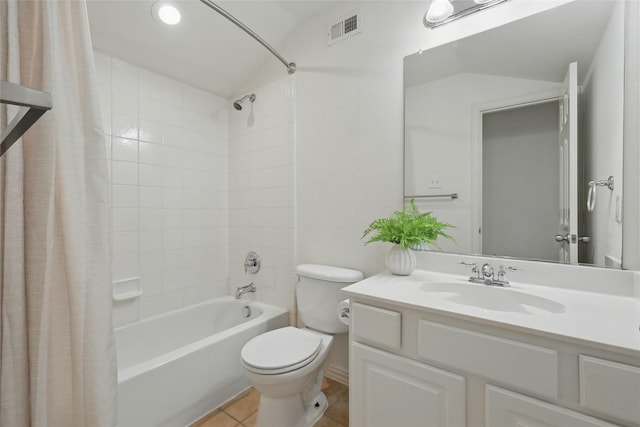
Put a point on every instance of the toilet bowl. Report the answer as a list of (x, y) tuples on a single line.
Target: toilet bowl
[(287, 365)]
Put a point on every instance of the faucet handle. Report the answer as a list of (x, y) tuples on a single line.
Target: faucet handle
[(475, 270), (502, 271)]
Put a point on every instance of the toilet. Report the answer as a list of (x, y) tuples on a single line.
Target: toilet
[(287, 365)]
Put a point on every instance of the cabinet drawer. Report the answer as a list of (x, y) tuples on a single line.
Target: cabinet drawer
[(508, 409), (376, 325), (610, 388), (523, 366)]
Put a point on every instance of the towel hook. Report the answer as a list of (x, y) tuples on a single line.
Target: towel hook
[(591, 196)]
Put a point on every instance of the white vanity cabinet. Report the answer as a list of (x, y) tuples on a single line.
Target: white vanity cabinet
[(411, 367), (389, 390)]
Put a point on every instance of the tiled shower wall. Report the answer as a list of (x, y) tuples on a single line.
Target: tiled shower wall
[(167, 148), (262, 193)]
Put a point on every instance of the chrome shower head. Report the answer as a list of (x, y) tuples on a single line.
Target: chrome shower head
[(238, 103)]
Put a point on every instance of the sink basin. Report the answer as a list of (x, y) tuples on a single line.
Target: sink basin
[(490, 297)]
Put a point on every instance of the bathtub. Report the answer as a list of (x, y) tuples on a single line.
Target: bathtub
[(177, 367)]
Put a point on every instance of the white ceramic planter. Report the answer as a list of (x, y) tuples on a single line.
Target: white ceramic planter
[(401, 261)]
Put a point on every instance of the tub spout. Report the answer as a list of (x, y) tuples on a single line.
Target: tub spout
[(245, 289)]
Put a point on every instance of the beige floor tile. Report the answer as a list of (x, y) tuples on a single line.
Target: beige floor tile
[(325, 421), (251, 420), (333, 390), (218, 419), (339, 411), (244, 406)]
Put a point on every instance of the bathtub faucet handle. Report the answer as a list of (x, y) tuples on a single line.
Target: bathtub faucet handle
[(252, 263)]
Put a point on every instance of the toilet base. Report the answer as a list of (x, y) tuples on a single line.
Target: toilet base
[(316, 409), (290, 412)]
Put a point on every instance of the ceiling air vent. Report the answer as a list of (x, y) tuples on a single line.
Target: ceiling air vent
[(346, 27)]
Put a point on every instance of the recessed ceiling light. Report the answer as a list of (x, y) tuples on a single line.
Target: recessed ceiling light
[(166, 12)]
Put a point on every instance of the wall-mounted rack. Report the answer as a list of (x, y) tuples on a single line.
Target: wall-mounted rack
[(433, 196), (35, 104)]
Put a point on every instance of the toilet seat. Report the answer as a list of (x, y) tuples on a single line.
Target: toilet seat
[(281, 350)]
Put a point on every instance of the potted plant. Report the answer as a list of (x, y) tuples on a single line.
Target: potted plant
[(406, 229)]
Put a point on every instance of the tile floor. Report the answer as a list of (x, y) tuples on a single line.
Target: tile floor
[(242, 411)]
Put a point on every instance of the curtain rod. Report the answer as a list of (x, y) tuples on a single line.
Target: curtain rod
[(291, 66)]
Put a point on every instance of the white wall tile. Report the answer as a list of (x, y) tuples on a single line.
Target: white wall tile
[(150, 85), (150, 174), (172, 92), (124, 196), (167, 137), (125, 243), (124, 102), (124, 149), (151, 263), (172, 135), (150, 153), (124, 267), (150, 241), (171, 115), (150, 131), (103, 68), (124, 75), (124, 172), (150, 219), (124, 126), (150, 197), (125, 220)]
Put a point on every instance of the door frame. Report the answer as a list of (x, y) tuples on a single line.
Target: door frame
[(477, 113)]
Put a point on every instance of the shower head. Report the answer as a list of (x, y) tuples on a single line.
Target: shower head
[(238, 104)]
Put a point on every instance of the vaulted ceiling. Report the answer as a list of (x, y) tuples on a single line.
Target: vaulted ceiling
[(204, 49)]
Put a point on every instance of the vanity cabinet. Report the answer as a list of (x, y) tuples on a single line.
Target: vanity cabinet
[(390, 390), (412, 367)]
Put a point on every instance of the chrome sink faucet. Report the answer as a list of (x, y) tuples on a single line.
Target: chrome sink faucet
[(486, 276), (245, 290)]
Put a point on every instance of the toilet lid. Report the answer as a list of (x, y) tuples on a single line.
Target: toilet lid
[(281, 350)]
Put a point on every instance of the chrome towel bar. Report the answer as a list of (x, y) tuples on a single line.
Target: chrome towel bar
[(433, 196)]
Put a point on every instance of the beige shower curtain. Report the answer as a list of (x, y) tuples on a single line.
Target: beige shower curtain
[(57, 353)]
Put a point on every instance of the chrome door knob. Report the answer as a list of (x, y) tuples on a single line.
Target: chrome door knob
[(561, 238), (584, 239)]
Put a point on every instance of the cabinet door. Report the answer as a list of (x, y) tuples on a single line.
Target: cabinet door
[(508, 409), (389, 390)]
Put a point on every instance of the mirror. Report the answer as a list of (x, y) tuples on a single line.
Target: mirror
[(488, 131)]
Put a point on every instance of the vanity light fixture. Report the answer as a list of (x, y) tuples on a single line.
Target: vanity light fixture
[(439, 10), (443, 11), (166, 12)]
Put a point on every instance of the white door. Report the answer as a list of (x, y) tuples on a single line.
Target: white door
[(389, 390), (567, 236)]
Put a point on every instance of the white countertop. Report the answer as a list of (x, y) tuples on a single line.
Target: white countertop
[(609, 321)]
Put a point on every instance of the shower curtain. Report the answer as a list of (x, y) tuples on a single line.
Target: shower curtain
[(57, 351)]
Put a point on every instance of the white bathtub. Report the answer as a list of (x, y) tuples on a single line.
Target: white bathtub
[(176, 367)]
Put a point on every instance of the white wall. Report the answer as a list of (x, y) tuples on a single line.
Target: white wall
[(349, 121), (168, 168), (603, 136), (262, 193)]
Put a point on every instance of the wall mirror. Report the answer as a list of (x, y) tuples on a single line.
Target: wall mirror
[(507, 132)]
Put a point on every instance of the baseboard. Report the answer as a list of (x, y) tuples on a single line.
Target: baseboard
[(338, 374)]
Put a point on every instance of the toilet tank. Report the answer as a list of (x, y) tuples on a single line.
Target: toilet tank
[(318, 293)]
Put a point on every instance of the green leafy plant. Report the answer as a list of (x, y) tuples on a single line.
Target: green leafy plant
[(408, 228)]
